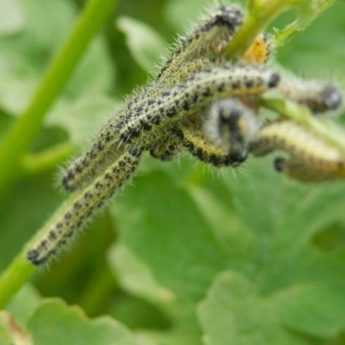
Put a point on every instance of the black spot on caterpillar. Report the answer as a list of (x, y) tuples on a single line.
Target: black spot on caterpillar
[(165, 118), (69, 222), (206, 42), (140, 124), (190, 55)]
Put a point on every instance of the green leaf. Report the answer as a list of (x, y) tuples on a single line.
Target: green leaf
[(164, 228), (291, 214), (315, 309), (285, 258), (32, 201), (233, 312), (146, 45), (82, 119), (25, 56), (54, 323), (321, 44), (11, 17), (17, 83), (24, 304), (135, 277)]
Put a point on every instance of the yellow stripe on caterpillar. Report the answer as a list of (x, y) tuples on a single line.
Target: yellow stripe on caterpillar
[(309, 157)]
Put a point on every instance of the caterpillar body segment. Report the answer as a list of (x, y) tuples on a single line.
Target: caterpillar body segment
[(196, 93), (104, 149), (309, 158), (316, 171), (141, 121), (222, 136), (167, 147), (69, 222), (195, 143), (231, 125), (207, 41), (84, 169), (200, 50), (319, 97)]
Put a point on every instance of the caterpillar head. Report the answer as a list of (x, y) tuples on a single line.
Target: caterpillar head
[(231, 126), (330, 99), (215, 33)]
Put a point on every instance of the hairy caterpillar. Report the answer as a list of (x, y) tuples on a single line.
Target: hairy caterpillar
[(191, 54), (309, 158), (68, 222), (318, 96), (200, 103), (167, 107)]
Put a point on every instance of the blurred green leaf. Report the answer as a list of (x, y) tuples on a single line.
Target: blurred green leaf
[(233, 312), (307, 12), (11, 17), (319, 52), (82, 119), (25, 56), (24, 304), (157, 226), (54, 323), (287, 273), (32, 201), (49, 321), (146, 45), (135, 277), (316, 309)]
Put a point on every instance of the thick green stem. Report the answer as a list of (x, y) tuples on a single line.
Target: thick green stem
[(21, 269), (18, 140), (14, 277), (260, 15), (324, 129)]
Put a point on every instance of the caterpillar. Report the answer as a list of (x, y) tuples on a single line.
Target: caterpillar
[(310, 159), (69, 222), (200, 103), (168, 106)]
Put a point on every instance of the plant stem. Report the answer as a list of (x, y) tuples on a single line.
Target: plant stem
[(260, 15), (18, 140), (21, 269), (14, 277), (37, 163), (326, 130)]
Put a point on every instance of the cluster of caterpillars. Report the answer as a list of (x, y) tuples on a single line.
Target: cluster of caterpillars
[(201, 103)]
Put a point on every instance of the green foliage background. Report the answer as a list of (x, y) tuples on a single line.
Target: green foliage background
[(186, 254)]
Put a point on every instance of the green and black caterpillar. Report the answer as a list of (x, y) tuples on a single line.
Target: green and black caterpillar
[(200, 103)]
